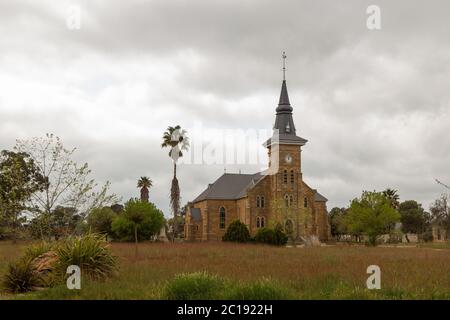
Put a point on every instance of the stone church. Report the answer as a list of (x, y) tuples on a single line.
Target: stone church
[(264, 199)]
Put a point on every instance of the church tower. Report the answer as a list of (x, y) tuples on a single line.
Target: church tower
[(285, 170)]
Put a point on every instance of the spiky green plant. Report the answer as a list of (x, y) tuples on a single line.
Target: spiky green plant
[(20, 277), (38, 249), (91, 253)]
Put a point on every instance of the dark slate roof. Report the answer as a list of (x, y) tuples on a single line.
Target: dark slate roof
[(319, 198), (195, 214), (284, 104), (284, 127), (230, 186)]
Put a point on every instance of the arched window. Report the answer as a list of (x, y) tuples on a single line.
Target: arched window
[(258, 201), (292, 177), (262, 202), (305, 202), (263, 222), (258, 222), (222, 218), (291, 200), (285, 177)]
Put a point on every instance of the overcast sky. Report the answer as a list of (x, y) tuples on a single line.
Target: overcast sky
[(374, 104)]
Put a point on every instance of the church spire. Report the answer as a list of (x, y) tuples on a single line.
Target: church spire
[(284, 105), (284, 122), (284, 127)]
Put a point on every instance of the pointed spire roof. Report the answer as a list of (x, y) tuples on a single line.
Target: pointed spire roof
[(283, 104), (284, 127)]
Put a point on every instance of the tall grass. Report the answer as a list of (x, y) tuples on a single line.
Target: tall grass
[(333, 272), (194, 286)]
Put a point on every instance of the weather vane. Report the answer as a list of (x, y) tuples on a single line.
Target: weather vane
[(284, 65)]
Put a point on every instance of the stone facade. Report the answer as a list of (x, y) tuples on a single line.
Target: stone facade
[(277, 196)]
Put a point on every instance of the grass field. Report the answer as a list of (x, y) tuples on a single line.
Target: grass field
[(332, 272)]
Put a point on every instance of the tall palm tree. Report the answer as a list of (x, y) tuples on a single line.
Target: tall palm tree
[(145, 184), (176, 139), (393, 197)]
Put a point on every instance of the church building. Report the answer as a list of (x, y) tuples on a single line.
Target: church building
[(277, 196)]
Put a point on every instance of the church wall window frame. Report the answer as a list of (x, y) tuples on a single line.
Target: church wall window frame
[(260, 222), (222, 217), (305, 202), (292, 177), (285, 177)]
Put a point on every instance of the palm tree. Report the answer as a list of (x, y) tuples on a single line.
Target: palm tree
[(393, 197), (145, 184), (176, 139)]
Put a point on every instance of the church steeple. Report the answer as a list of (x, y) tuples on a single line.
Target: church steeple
[(284, 126)]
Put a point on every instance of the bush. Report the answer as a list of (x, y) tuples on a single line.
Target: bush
[(281, 237), (20, 277), (271, 236), (265, 235), (194, 286), (427, 236), (264, 289), (237, 232), (91, 253)]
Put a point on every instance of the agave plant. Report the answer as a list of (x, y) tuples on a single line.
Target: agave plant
[(91, 253), (20, 277)]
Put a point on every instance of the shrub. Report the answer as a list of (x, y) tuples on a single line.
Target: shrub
[(20, 277), (271, 236), (427, 236), (91, 253), (281, 237), (263, 289), (237, 232), (194, 286), (265, 235)]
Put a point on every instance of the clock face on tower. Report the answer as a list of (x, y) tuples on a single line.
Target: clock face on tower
[(288, 158)]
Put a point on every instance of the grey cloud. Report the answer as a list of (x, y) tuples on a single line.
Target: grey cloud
[(373, 104)]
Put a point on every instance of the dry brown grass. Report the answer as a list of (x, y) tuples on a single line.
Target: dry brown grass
[(323, 272)]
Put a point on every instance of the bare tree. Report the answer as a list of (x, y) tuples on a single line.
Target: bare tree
[(68, 184)]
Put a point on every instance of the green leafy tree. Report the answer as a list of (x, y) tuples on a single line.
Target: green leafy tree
[(67, 183), (338, 227), (175, 138), (372, 214), (237, 232), (20, 178), (413, 217), (100, 220), (144, 183), (140, 220)]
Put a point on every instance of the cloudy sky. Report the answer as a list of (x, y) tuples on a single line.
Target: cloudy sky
[(374, 104)]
